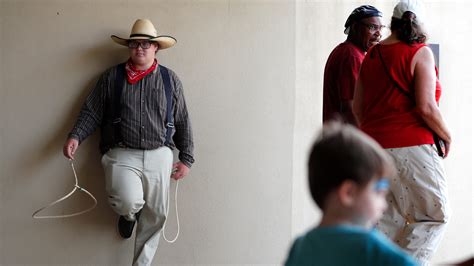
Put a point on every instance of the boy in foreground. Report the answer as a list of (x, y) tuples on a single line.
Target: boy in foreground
[(348, 174)]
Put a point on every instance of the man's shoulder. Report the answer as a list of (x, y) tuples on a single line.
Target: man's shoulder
[(171, 72), (345, 54), (112, 69), (347, 49)]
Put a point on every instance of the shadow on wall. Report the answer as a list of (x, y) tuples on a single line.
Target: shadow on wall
[(102, 56), (98, 57), (87, 157)]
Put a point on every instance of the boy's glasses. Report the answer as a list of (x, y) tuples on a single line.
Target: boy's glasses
[(381, 185), (135, 44), (373, 27)]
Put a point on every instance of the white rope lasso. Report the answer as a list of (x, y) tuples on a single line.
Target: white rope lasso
[(177, 216), (76, 187)]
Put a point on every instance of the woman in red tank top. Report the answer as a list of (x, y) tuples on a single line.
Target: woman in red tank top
[(396, 103)]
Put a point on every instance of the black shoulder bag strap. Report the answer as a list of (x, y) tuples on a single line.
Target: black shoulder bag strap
[(169, 103), (116, 119), (437, 140)]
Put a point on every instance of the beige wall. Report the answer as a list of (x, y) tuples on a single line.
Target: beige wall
[(252, 72), (236, 61)]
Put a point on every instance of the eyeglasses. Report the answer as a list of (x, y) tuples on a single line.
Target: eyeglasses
[(135, 44), (381, 185), (373, 27)]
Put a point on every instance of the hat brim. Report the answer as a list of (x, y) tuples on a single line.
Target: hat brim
[(163, 41)]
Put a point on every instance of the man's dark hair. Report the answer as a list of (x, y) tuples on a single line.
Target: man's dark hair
[(408, 29), (342, 152)]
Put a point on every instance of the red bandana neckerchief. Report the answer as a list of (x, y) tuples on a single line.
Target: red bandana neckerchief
[(134, 75)]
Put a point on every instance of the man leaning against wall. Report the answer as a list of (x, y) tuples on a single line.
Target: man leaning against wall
[(140, 107)]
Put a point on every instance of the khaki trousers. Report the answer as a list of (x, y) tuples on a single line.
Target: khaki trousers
[(139, 180), (417, 202)]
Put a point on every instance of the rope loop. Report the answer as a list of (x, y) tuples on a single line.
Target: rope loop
[(76, 186)]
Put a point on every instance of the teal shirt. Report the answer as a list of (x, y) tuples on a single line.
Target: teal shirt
[(346, 245)]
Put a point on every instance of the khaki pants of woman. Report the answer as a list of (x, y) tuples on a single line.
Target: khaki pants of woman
[(139, 180), (417, 201)]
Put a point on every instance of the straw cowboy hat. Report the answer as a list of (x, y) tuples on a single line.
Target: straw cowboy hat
[(143, 29)]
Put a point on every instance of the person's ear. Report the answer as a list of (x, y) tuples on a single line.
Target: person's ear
[(347, 192), (352, 29)]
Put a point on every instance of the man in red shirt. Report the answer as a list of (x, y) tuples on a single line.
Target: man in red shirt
[(363, 28)]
